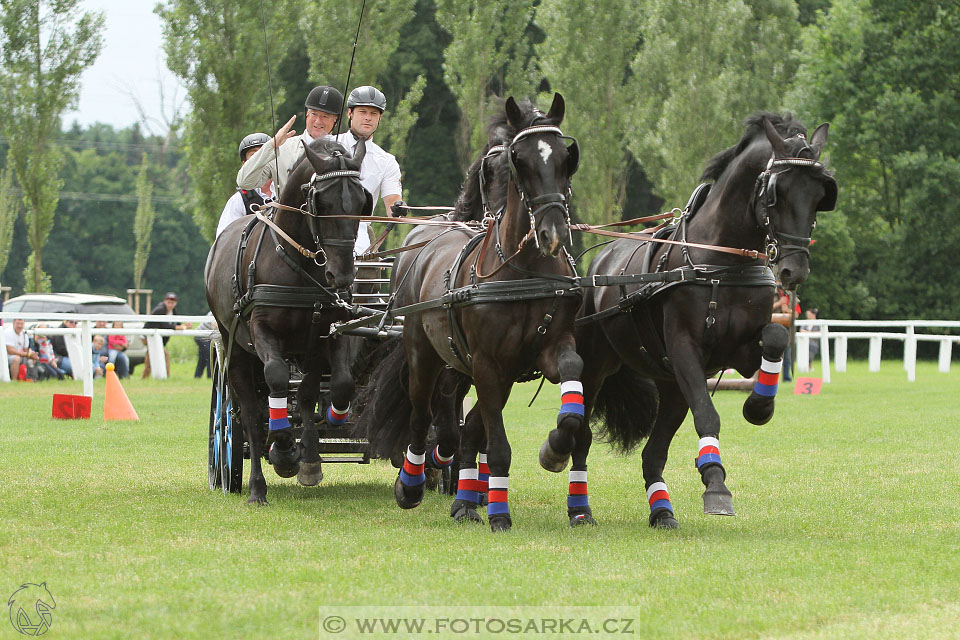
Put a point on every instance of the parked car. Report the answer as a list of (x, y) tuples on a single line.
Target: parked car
[(82, 303)]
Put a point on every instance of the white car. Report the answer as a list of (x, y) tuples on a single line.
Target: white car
[(82, 303)]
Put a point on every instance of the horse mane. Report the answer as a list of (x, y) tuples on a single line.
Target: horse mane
[(469, 205), (785, 125)]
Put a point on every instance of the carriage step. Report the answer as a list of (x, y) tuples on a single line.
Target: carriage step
[(354, 459)]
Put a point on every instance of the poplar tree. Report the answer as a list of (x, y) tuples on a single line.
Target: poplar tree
[(44, 46), (9, 210), (143, 223)]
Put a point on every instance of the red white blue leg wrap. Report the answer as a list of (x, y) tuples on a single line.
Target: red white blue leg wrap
[(468, 487), (337, 417), (483, 472), (278, 413), (571, 398), (658, 497), (577, 496), (709, 452), (438, 461), (411, 473), (768, 379), (497, 496)]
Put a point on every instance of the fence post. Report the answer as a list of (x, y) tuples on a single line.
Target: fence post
[(840, 359), (158, 363), (876, 342), (86, 358), (946, 348), (5, 369), (910, 354), (825, 353), (802, 344)]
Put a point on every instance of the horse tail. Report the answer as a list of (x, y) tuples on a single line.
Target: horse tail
[(625, 409), (384, 403)]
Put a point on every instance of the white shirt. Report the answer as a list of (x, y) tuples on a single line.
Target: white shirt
[(234, 210), (263, 164), (379, 174), (18, 342)]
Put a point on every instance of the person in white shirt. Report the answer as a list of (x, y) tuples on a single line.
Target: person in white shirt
[(276, 159), (239, 204), (379, 172), (18, 347)]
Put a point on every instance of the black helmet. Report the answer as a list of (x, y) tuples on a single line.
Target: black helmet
[(252, 141), (367, 96), (325, 98)]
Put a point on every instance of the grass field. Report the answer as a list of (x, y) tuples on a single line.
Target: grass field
[(848, 524)]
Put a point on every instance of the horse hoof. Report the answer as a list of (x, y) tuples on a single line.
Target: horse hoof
[(500, 523), (467, 514), (663, 519), (758, 410), (310, 474), (582, 519), (718, 503), (551, 460), (286, 462), (407, 497), (258, 500)]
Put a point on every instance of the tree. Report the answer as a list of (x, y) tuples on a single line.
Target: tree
[(46, 45), (588, 61), (216, 49), (489, 53), (704, 67), (143, 223), (885, 75), (9, 210)]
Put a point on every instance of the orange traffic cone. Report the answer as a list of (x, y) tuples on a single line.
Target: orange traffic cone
[(116, 405)]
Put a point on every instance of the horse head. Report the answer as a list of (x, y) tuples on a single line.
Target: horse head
[(334, 188), (541, 166), (790, 191)]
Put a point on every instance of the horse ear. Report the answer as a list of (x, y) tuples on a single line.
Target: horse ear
[(556, 109), (779, 148), (829, 200), (514, 116), (359, 152), (819, 138), (315, 159)]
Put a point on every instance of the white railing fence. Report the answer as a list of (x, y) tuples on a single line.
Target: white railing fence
[(842, 331), (81, 357)]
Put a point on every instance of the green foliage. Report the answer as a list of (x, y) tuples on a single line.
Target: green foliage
[(143, 222), (703, 68), (885, 75), (394, 130), (9, 210), (489, 53), (46, 45), (588, 61)]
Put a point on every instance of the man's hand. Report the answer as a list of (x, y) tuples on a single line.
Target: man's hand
[(284, 133), (399, 209)]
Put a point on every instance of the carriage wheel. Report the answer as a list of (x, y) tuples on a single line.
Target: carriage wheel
[(215, 433), (231, 445)]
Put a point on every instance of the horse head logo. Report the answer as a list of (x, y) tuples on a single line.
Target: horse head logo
[(30, 609)]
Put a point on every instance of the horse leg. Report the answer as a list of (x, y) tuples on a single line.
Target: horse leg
[(308, 394), (492, 394), (424, 366), (578, 504), (758, 408), (243, 384), (556, 449), (688, 365), (283, 453), (473, 479), (446, 418), (671, 412)]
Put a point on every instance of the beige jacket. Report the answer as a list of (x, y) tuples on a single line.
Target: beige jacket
[(262, 165)]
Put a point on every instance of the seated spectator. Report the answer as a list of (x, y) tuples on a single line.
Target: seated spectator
[(48, 359), (60, 348), (18, 350), (116, 347), (100, 357)]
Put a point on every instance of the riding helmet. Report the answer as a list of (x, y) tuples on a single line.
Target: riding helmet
[(252, 141), (325, 98), (367, 96)]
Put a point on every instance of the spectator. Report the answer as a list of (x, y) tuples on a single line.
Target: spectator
[(203, 349), (18, 349), (60, 348), (99, 357), (781, 304), (812, 314), (166, 307), (48, 359), (117, 347)]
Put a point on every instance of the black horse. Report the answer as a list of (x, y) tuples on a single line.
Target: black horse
[(277, 305), (648, 348), (509, 304)]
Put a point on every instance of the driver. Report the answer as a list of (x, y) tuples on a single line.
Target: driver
[(323, 105)]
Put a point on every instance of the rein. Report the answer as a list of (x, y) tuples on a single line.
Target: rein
[(765, 197), (745, 253)]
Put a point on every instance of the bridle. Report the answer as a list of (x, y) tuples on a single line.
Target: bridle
[(537, 205), (779, 244)]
